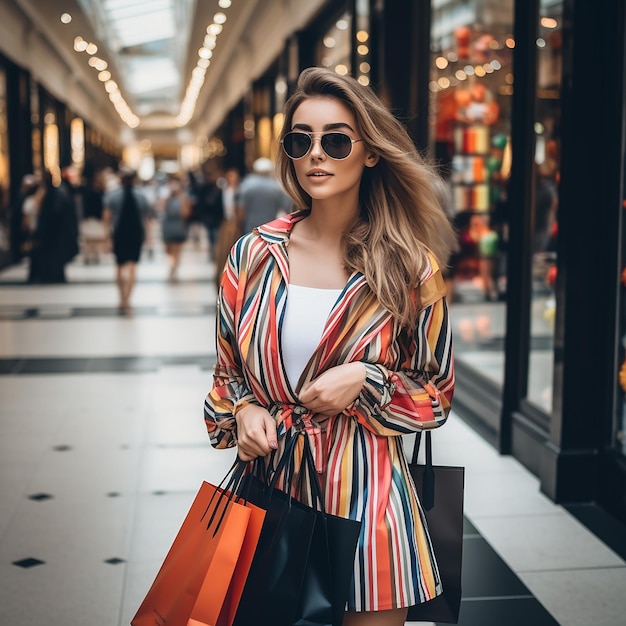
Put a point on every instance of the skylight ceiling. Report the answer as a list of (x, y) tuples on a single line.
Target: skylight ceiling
[(149, 40)]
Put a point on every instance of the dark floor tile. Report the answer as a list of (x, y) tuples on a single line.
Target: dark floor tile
[(40, 497), (13, 313), (53, 366), (8, 366), (485, 574), (101, 311), (504, 612), (28, 563), (123, 364), (602, 524), (469, 528), (199, 360)]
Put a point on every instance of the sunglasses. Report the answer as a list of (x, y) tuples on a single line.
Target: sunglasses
[(337, 146)]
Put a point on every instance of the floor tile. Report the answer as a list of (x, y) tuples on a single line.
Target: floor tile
[(581, 597), (104, 447), (545, 542), (504, 612), (485, 574)]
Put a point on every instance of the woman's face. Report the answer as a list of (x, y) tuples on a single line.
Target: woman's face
[(319, 175)]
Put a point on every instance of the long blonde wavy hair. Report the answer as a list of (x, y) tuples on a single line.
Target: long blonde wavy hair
[(401, 215)]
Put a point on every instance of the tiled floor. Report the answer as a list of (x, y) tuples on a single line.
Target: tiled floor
[(103, 448)]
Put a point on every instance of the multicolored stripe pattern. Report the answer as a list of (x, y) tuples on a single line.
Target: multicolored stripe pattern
[(363, 468)]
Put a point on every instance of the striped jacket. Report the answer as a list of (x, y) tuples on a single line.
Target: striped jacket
[(409, 385)]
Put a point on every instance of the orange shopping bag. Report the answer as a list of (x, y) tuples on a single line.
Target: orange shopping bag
[(202, 576)]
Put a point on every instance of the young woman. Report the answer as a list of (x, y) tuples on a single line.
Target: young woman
[(124, 212), (339, 309), (176, 212)]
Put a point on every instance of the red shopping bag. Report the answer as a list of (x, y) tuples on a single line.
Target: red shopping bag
[(200, 581)]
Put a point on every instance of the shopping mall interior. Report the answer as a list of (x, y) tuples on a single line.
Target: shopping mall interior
[(520, 104)]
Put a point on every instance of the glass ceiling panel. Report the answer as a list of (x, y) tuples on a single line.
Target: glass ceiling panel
[(150, 75), (134, 23)]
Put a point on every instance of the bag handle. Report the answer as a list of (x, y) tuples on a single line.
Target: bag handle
[(428, 479), (225, 493), (306, 471)]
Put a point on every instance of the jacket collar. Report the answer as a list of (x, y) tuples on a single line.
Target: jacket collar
[(279, 230)]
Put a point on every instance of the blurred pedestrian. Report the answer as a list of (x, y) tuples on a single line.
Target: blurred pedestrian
[(230, 228), (125, 209), (210, 209), (261, 198), (55, 237), (92, 229), (176, 211), (24, 218)]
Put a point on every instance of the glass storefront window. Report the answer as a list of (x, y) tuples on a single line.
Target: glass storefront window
[(471, 87), (546, 179), (333, 51), (36, 138), (5, 237)]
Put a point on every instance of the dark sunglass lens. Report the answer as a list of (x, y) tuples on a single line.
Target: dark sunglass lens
[(296, 144), (337, 145)]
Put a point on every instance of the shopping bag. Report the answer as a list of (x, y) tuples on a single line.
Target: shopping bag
[(198, 578), (303, 566), (440, 490), (330, 567)]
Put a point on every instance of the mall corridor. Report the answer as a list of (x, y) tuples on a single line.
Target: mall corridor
[(103, 448)]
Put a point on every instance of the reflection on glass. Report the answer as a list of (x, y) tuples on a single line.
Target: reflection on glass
[(545, 227), (333, 51), (5, 237), (471, 87)]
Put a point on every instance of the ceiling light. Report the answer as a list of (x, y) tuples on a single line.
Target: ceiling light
[(214, 29), (80, 45), (66, 18), (219, 18), (91, 48), (104, 76), (224, 4)]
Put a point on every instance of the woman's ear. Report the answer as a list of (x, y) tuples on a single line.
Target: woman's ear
[(371, 159)]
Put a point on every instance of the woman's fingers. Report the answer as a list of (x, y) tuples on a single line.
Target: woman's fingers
[(256, 432)]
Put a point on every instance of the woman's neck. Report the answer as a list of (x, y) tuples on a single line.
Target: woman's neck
[(328, 221)]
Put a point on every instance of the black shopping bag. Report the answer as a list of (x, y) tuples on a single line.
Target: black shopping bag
[(440, 490), (303, 566)]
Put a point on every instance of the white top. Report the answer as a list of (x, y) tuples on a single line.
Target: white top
[(306, 313)]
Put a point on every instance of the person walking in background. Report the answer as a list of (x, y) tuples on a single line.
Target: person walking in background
[(24, 217), (210, 207), (125, 209), (230, 228), (176, 211), (261, 198), (55, 237), (333, 319), (92, 228)]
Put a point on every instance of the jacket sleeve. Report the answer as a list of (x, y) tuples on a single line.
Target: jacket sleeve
[(418, 395), (230, 391)]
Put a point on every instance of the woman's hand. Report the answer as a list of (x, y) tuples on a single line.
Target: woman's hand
[(335, 389), (256, 432)]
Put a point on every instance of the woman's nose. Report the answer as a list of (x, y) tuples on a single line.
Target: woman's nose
[(316, 148)]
